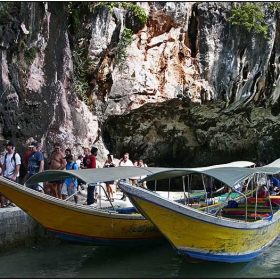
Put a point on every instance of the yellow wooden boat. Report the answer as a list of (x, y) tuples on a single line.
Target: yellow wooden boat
[(81, 223), (205, 233)]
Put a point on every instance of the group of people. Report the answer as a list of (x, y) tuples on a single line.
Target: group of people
[(269, 186), (124, 161), (62, 189)]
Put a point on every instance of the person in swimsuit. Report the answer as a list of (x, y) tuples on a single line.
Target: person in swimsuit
[(57, 162), (109, 163)]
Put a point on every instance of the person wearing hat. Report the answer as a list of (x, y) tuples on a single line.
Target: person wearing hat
[(70, 185), (11, 165), (109, 163), (35, 165), (30, 149)]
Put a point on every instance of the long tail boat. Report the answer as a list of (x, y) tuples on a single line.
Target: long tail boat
[(82, 223), (230, 230)]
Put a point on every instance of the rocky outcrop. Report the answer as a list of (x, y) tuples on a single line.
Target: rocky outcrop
[(173, 133), (37, 81), (226, 78), (193, 89)]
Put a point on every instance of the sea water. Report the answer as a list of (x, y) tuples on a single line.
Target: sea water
[(57, 259)]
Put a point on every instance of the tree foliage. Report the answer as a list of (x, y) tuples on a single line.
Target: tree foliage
[(125, 41), (251, 17), (136, 9), (77, 12)]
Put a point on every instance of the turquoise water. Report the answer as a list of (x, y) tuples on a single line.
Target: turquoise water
[(55, 259)]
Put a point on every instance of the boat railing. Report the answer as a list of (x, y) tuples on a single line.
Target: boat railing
[(100, 186), (246, 205), (219, 206)]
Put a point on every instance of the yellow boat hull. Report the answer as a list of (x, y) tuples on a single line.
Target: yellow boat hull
[(79, 223), (202, 236)]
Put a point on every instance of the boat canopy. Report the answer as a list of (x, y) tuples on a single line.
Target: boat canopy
[(230, 174), (100, 175), (272, 168), (94, 175)]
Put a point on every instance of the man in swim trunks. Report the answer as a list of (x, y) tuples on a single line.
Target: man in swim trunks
[(57, 162)]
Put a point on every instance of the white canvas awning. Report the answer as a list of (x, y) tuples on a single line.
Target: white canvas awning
[(94, 175), (108, 174), (230, 174)]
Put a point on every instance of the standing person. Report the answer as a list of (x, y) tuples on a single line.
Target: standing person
[(83, 165), (70, 185), (11, 163), (30, 148), (79, 161), (41, 184), (86, 155), (68, 151), (142, 164), (134, 179), (11, 166), (35, 165), (2, 199), (125, 161), (57, 162), (274, 181), (109, 163), (91, 163)]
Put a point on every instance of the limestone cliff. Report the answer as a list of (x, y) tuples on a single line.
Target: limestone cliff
[(192, 89)]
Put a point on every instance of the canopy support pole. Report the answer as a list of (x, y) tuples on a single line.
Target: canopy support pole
[(269, 199), (204, 187), (169, 182), (184, 189), (100, 186), (189, 192)]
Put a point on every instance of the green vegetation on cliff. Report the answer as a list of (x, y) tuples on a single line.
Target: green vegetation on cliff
[(137, 10), (78, 19), (251, 17), (125, 41)]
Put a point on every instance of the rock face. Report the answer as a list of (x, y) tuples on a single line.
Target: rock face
[(193, 89), (223, 76), (37, 75)]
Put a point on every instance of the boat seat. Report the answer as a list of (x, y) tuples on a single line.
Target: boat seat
[(242, 217), (250, 206)]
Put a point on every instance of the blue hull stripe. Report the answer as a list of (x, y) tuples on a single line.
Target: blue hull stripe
[(221, 258), (104, 241)]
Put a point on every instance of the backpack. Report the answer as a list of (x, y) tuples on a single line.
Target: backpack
[(13, 157), (72, 166)]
